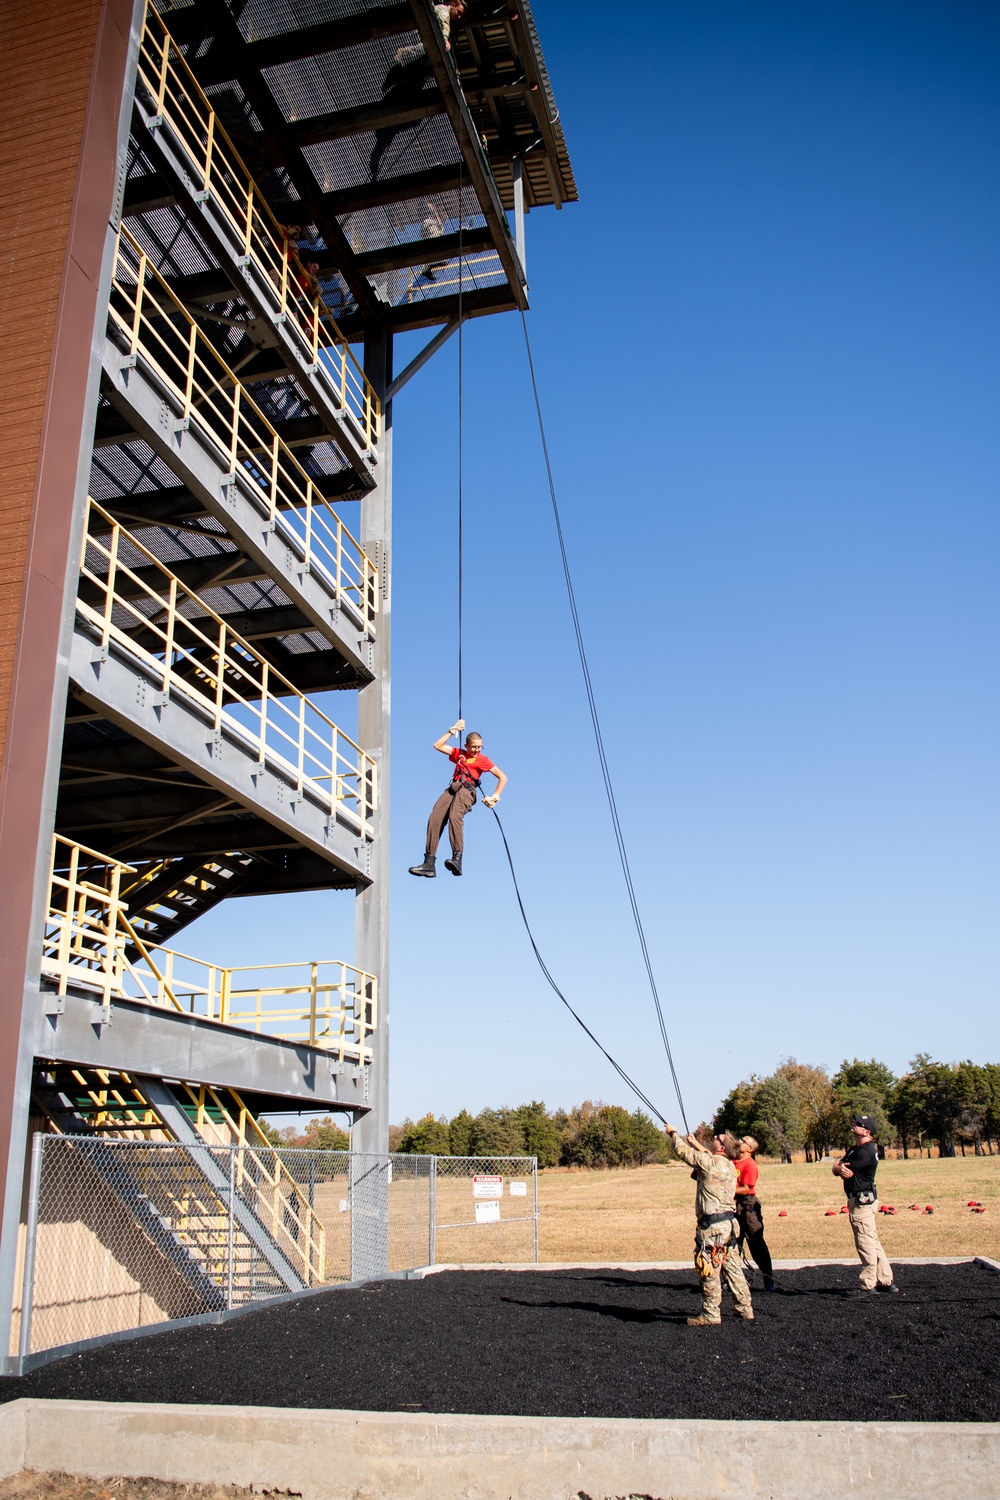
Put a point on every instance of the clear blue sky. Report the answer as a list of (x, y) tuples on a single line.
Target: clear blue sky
[(767, 344)]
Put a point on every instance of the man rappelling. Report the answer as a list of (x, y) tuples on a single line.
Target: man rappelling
[(469, 764)]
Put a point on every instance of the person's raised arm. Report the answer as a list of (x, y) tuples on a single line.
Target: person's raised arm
[(688, 1148), (494, 797), (442, 743)]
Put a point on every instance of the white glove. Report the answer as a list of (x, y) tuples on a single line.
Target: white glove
[(457, 727), (491, 801)]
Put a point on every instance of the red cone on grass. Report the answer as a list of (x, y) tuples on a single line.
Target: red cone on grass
[(928, 1209), (845, 1209), (782, 1213), (831, 1213), (979, 1209)]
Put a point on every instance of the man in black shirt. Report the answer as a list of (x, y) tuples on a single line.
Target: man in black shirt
[(857, 1169)]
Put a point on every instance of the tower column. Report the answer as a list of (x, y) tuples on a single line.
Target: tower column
[(371, 949)]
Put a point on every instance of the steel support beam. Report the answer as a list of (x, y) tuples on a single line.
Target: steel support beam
[(369, 1217), (419, 360), (48, 473), (161, 1043), (181, 728)]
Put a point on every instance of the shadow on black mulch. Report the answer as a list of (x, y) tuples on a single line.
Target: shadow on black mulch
[(580, 1344)]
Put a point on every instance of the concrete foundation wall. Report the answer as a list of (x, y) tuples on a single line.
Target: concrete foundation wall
[(342, 1455)]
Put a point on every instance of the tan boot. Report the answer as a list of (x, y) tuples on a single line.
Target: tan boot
[(746, 1317), (702, 1322)]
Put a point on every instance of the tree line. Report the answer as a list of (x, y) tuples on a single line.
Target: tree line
[(954, 1106), (800, 1106), (589, 1135)]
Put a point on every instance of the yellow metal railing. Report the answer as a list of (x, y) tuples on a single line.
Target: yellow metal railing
[(191, 651), (89, 940), (179, 105), (326, 1003), (262, 1178), (150, 323), (85, 933)]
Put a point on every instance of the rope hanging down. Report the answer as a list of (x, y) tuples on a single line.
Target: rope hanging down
[(580, 1022), (461, 430), (598, 736)]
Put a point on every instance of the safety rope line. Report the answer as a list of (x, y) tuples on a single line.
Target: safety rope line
[(596, 722), (461, 432), (626, 1079)]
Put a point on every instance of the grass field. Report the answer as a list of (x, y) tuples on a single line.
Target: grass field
[(647, 1213)]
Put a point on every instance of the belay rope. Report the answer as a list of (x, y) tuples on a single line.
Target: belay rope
[(598, 736), (591, 703)]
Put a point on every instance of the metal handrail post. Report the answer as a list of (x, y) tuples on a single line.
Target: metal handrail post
[(232, 1219), (432, 1214), (30, 1237), (534, 1186)]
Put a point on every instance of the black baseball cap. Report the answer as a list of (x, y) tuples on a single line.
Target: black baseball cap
[(866, 1122)]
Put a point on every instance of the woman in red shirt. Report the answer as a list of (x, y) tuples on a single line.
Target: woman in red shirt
[(469, 765), (750, 1213)]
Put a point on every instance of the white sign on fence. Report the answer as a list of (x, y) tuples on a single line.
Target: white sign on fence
[(487, 1187), (518, 1190), (488, 1213)]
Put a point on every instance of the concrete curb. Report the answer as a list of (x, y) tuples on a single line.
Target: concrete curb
[(346, 1455), (687, 1265)]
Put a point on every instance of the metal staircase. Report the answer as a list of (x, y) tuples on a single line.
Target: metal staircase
[(168, 894), (232, 1222)]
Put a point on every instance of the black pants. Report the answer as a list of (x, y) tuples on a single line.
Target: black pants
[(750, 1216)]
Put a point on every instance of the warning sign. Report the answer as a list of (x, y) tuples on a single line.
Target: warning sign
[(518, 1190), (487, 1187), (488, 1213)]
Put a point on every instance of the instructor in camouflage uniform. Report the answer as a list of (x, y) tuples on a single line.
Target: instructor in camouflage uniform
[(716, 1243)]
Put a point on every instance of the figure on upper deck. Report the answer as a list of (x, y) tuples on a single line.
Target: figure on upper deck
[(406, 81)]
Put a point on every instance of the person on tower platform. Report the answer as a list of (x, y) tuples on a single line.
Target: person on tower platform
[(750, 1212), (715, 1241), (469, 765)]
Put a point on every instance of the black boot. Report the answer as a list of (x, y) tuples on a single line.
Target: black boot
[(427, 868), (454, 864)]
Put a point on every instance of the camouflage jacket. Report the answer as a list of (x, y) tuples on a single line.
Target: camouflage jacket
[(716, 1179)]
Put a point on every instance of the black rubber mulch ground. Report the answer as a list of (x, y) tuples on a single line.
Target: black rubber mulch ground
[(580, 1343)]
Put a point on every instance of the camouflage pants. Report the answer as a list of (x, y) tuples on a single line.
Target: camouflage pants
[(729, 1270)]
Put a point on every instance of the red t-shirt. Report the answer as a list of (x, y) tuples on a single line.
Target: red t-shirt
[(469, 767), (747, 1173)]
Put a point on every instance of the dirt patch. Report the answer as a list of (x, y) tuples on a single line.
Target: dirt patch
[(32, 1486)]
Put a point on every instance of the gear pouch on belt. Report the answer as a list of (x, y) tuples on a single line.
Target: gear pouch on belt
[(866, 1199), (709, 1259)]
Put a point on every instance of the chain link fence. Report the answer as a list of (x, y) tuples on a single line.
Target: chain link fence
[(127, 1234)]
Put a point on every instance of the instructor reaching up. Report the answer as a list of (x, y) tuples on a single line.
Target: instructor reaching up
[(469, 765)]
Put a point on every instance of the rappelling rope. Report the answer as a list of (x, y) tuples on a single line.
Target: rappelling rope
[(598, 736), (461, 430), (630, 1082)]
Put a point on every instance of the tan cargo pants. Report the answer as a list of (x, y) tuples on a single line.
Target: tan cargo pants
[(875, 1267), (730, 1271), (449, 811)]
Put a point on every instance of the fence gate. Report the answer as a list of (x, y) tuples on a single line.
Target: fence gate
[(484, 1209)]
